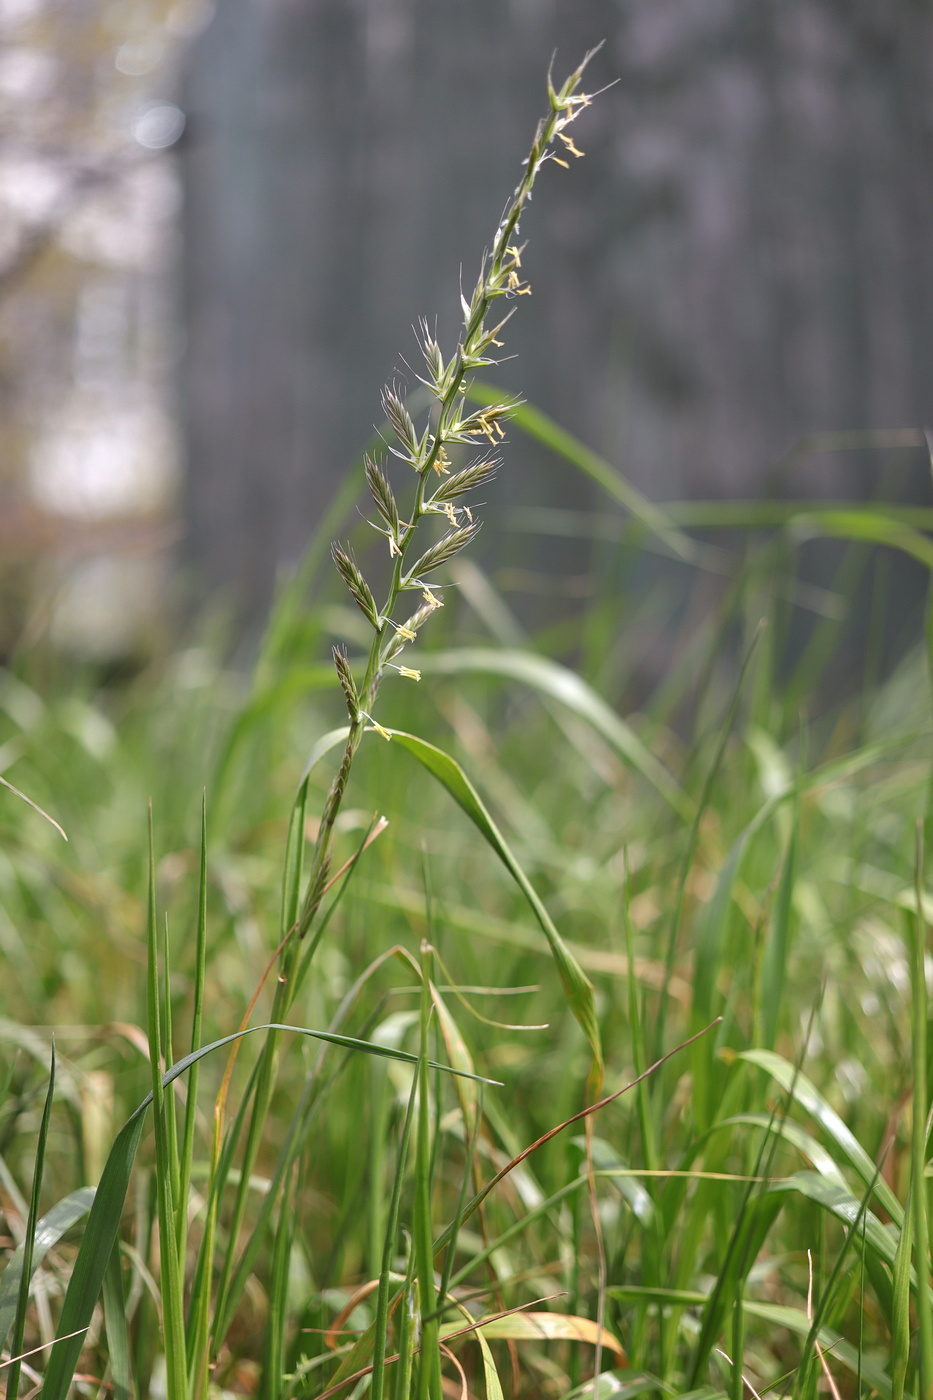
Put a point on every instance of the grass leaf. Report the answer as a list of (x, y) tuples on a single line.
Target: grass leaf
[(559, 683), (577, 987)]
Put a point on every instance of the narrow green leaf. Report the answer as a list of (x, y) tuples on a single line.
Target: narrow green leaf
[(846, 1207), (166, 1151), (774, 960), (900, 1326), (118, 1335), (323, 746), (776, 1315), (19, 1321), (490, 1374), (871, 526), (538, 425), (88, 1273), (808, 1097), (374, 1342), (274, 1357), (55, 1223), (710, 947), (104, 1219), (755, 1219), (577, 987), (916, 942), (559, 683), (429, 1369), (191, 1108)]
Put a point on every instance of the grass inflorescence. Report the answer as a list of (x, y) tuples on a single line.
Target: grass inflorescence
[(608, 1077)]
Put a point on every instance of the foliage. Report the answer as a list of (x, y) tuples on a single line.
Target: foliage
[(362, 1173)]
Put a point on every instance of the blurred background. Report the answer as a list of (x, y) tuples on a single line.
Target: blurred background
[(220, 223)]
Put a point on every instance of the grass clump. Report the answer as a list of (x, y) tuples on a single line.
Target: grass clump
[(392, 1151)]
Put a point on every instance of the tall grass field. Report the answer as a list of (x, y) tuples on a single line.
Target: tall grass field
[(450, 1010)]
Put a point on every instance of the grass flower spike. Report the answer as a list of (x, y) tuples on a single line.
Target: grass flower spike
[(426, 450)]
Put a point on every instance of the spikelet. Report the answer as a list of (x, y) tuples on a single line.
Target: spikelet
[(347, 684), (381, 492), (476, 475), (359, 588), (443, 551)]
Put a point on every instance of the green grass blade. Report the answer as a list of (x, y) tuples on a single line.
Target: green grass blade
[(559, 683), (323, 746), (197, 1018), (900, 1325), (378, 1346), (88, 1272), (55, 1223), (539, 426), (841, 1203), (19, 1321), (756, 1218), (118, 1334), (171, 1123), (710, 946), (692, 839), (828, 1292), (166, 1147), (294, 860), (577, 987), (808, 1097), (429, 1369), (490, 1374), (775, 1315), (104, 1219), (777, 947), (274, 1357), (919, 1035), (639, 1045), (871, 526)]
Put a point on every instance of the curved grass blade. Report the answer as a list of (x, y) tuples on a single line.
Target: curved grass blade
[(559, 683), (191, 1107), (166, 1154), (809, 1098), (323, 746), (19, 1322), (830, 1290), (916, 942), (870, 526), (792, 1132), (104, 1219), (87, 1274), (577, 987), (490, 1374), (544, 1326), (55, 1223), (776, 1315), (376, 1345), (847, 1208), (710, 944), (777, 947), (539, 426), (118, 1332), (900, 1320)]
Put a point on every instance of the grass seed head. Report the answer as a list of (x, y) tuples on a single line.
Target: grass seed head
[(359, 588)]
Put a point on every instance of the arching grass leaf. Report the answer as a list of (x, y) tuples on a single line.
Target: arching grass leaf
[(577, 987)]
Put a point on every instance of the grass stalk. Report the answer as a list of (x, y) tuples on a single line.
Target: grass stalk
[(32, 1216), (919, 1126), (197, 1020), (172, 1281)]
